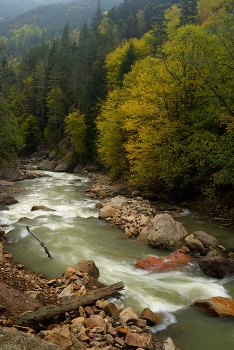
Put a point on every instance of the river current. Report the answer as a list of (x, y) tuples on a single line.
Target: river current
[(73, 232)]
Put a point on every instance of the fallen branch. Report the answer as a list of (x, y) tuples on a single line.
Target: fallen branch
[(46, 313), (41, 243)]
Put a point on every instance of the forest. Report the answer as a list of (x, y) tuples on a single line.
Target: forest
[(144, 90)]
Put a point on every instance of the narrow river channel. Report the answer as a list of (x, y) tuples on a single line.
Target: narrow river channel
[(73, 232)]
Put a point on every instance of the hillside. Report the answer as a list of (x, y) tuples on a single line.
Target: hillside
[(11, 8), (144, 90), (46, 21)]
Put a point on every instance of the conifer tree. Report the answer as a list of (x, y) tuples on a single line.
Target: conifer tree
[(188, 12)]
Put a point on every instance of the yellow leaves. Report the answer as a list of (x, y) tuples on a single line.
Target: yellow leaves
[(142, 49), (76, 128), (172, 18)]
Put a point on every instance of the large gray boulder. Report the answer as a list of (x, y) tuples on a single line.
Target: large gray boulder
[(11, 339), (7, 199), (10, 171), (163, 232)]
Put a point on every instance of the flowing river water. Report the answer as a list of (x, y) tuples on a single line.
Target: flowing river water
[(73, 232)]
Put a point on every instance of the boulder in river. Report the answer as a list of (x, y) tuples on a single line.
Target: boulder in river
[(216, 267), (88, 266), (217, 306), (163, 232), (151, 317), (7, 199), (206, 239), (168, 263), (41, 207)]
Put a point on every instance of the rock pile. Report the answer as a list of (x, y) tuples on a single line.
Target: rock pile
[(100, 325)]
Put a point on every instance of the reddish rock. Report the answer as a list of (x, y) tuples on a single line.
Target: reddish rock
[(69, 272), (143, 340), (217, 306), (60, 336), (151, 317), (167, 263), (112, 310), (7, 256), (87, 266), (95, 321), (122, 330), (128, 315)]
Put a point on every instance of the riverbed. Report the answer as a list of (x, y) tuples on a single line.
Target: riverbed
[(73, 232)]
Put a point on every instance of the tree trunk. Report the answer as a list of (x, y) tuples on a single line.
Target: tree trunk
[(33, 318)]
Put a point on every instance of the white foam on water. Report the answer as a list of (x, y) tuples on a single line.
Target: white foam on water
[(71, 237)]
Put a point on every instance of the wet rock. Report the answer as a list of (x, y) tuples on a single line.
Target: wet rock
[(6, 183), (216, 267), (41, 207), (7, 199), (10, 172), (195, 244), (163, 232), (3, 207), (2, 233), (206, 239), (169, 345), (217, 306), (14, 340), (168, 263), (151, 317)]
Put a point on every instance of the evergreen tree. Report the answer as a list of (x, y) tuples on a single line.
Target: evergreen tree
[(127, 62), (9, 135), (188, 12)]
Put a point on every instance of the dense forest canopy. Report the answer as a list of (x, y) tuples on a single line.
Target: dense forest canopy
[(145, 89)]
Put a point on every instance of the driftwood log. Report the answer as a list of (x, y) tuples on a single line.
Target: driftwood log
[(46, 313), (41, 243)]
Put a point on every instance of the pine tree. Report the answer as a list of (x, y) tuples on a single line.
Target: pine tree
[(188, 12), (127, 62)]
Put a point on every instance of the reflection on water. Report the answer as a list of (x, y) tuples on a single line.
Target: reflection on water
[(73, 232)]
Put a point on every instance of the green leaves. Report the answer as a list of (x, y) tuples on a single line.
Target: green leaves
[(76, 128)]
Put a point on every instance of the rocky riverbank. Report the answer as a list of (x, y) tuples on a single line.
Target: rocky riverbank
[(100, 324), (92, 326)]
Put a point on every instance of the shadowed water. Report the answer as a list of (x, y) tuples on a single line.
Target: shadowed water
[(73, 232)]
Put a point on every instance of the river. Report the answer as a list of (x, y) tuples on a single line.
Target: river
[(73, 232)]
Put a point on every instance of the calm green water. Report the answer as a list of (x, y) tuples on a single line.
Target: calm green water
[(73, 232)]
